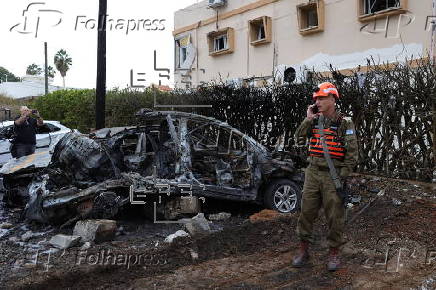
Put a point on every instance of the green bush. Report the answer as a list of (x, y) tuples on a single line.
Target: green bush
[(76, 108), (73, 108), (11, 104)]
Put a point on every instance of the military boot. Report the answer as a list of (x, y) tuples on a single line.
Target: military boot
[(334, 262), (302, 256)]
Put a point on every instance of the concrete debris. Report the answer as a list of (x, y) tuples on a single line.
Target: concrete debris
[(6, 226), (197, 225), (220, 216), (64, 242), (95, 230), (182, 205), (172, 237)]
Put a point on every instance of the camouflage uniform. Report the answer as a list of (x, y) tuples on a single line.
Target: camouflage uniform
[(319, 189)]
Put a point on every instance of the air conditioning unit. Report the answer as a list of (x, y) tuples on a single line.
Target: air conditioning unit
[(216, 3)]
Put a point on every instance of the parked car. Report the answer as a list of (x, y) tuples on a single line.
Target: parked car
[(46, 134), (168, 155)]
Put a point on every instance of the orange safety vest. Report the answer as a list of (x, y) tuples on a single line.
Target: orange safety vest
[(335, 144)]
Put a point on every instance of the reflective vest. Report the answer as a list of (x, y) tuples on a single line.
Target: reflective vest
[(335, 144)]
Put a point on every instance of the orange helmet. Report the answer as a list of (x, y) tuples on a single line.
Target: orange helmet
[(324, 89)]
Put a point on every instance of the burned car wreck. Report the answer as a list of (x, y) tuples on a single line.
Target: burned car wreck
[(169, 156)]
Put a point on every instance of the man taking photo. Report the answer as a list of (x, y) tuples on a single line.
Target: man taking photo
[(24, 142)]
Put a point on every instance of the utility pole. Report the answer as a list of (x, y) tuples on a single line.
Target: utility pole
[(100, 94), (433, 97), (45, 68)]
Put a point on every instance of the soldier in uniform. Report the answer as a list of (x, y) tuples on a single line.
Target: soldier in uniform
[(319, 188)]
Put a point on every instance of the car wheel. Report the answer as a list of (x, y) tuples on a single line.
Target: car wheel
[(283, 195)]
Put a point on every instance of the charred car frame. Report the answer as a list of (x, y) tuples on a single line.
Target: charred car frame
[(169, 155)]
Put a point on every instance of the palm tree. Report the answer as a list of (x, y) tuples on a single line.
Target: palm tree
[(62, 62)]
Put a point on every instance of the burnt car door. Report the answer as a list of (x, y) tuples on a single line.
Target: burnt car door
[(223, 161)]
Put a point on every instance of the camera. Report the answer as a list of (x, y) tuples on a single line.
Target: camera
[(34, 111)]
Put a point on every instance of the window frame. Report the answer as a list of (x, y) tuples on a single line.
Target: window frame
[(255, 25), (217, 42), (302, 12), (212, 36), (382, 13), (177, 53)]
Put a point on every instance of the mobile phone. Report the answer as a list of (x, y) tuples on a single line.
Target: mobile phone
[(315, 109), (34, 111)]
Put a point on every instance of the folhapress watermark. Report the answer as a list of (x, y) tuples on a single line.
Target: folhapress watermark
[(36, 16), (103, 257), (127, 260), (125, 25)]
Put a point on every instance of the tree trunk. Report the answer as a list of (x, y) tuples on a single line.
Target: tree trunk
[(63, 81)]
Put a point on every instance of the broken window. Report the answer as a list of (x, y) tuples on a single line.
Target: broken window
[(311, 17), (373, 6), (221, 42), (260, 30), (184, 52)]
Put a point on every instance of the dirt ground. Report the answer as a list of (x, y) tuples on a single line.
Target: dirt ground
[(390, 245)]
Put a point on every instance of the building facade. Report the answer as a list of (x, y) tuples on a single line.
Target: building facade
[(30, 86), (255, 41)]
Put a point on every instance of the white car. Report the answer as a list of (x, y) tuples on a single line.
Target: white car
[(46, 135)]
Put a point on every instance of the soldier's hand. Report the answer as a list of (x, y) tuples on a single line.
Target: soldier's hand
[(309, 114)]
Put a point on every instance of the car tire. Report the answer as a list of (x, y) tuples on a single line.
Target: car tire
[(283, 195)]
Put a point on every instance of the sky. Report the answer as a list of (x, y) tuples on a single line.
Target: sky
[(135, 29)]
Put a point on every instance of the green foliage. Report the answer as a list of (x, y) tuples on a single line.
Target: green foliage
[(76, 108), (7, 75), (33, 70), (10, 104), (73, 108), (50, 71), (62, 62)]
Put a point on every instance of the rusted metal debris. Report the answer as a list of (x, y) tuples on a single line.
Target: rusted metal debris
[(170, 154)]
